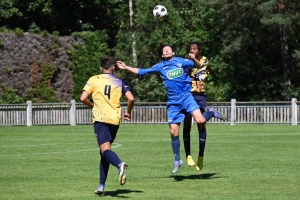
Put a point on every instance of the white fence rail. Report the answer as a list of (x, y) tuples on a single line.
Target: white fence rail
[(281, 112)]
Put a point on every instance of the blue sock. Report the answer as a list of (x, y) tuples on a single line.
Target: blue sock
[(112, 157), (208, 114), (176, 147)]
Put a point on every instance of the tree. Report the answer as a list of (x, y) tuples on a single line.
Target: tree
[(65, 17), (283, 16), (249, 64)]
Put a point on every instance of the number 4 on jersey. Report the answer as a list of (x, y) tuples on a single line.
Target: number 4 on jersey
[(107, 91)]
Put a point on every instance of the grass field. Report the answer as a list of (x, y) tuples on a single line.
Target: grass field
[(61, 162)]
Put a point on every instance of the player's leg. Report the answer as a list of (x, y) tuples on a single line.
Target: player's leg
[(201, 101), (187, 139), (201, 118), (105, 134), (217, 114), (175, 142), (104, 167), (175, 117), (202, 141)]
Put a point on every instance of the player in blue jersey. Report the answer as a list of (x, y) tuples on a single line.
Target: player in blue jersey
[(106, 90), (198, 77), (174, 73)]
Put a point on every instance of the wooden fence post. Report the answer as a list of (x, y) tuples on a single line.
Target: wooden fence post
[(294, 112), (29, 113), (73, 113), (233, 111)]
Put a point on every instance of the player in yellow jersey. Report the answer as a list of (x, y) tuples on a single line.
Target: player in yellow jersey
[(198, 77), (106, 90)]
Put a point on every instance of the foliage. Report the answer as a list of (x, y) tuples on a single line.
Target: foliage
[(9, 96), (86, 58), (18, 31), (253, 46), (250, 59), (65, 17), (42, 91)]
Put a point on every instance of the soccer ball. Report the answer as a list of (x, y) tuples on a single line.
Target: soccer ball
[(160, 11)]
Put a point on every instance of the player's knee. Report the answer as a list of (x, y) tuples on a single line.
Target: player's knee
[(173, 132), (200, 120)]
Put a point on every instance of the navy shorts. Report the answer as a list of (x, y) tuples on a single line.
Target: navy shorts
[(105, 132), (200, 99)]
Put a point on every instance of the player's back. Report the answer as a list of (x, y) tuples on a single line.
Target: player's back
[(106, 90)]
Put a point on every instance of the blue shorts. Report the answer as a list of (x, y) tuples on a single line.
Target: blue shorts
[(177, 111), (105, 132), (201, 99)]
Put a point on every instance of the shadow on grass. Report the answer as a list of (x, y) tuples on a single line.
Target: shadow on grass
[(194, 176), (119, 193)]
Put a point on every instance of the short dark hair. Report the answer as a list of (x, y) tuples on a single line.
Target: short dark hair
[(107, 62), (198, 44)]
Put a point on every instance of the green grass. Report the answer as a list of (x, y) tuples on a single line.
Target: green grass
[(61, 162)]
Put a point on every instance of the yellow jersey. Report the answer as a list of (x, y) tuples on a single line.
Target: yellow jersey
[(106, 90), (198, 76)]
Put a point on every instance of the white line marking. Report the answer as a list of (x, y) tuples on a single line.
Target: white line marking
[(114, 145), (50, 144)]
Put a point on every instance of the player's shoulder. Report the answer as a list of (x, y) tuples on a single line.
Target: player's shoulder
[(179, 59), (184, 61), (94, 77), (203, 58), (159, 64)]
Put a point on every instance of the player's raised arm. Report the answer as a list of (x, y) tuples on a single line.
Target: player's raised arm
[(192, 57), (122, 65)]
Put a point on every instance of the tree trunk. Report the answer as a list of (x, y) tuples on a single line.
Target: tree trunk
[(132, 33), (134, 57), (285, 55)]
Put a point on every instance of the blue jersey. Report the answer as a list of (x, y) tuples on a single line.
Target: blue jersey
[(174, 74)]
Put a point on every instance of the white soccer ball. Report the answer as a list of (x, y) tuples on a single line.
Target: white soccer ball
[(160, 11)]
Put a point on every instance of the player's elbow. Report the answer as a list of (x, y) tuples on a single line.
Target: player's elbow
[(82, 99), (130, 98)]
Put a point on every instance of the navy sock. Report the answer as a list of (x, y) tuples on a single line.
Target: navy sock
[(112, 157), (186, 136), (104, 167), (202, 140), (176, 147), (208, 114)]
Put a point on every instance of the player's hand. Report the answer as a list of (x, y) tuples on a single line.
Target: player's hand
[(191, 56), (121, 65), (127, 117)]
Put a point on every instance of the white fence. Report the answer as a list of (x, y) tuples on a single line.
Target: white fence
[(280, 112)]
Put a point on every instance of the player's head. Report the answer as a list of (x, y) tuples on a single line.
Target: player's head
[(195, 48), (167, 52), (107, 62)]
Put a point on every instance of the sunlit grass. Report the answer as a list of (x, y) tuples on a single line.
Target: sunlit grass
[(61, 162)]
